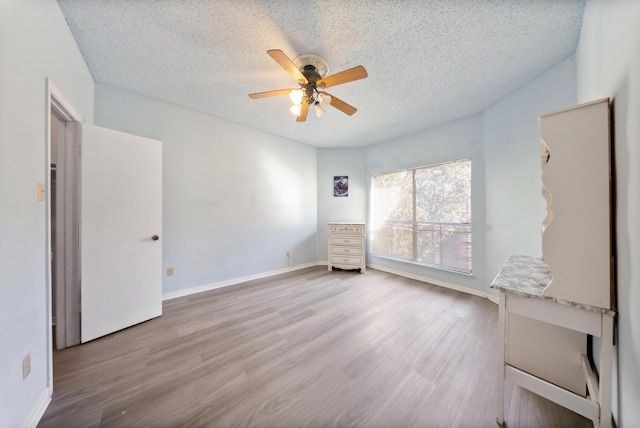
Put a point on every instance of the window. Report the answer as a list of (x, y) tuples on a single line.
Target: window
[(423, 215)]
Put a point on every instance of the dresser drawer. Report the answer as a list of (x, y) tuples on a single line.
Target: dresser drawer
[(350, 251), (349, 229), (347, 260), (347, 240)]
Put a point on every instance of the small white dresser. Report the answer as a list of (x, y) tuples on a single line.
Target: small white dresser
[(346, 246)]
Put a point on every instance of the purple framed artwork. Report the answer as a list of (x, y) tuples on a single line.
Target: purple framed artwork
[(340, 186)]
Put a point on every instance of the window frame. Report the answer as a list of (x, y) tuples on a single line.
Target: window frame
[(413, 222)]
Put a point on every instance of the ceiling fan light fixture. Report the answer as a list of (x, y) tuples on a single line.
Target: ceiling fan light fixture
[(296, 96), (295, 109), (310, 71)]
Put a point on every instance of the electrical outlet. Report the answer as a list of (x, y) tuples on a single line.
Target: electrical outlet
[(170, 271), (288, 254), (26, 366)]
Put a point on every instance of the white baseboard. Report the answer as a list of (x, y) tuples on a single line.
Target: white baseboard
[(233, 281), (38, 409), (444, 284)]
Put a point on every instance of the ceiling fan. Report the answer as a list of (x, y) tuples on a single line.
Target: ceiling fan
[(310, 71)]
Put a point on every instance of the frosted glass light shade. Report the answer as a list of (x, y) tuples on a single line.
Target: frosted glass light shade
[(319, 109), (295, 109), (324, 99), (296, 96)]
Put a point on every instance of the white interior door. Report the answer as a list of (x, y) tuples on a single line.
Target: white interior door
[(121, 213)]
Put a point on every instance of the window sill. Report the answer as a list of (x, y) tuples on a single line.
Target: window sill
[(423, 265)]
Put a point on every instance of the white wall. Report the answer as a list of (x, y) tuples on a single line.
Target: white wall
[(608, 65), (515, 207), (332, 162), (235, 200), (35, 43), (460, 139)]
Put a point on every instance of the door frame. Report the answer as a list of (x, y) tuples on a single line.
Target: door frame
[(54, 100)]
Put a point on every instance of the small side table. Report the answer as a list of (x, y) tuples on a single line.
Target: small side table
[(521, 282)]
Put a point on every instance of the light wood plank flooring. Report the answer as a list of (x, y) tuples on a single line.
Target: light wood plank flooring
[(309, 348)]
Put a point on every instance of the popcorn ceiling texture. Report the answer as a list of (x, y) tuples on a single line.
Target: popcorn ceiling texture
[(429, 61)]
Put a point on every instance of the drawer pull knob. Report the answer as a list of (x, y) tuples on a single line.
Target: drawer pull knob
[(346, 251), (345, 240)]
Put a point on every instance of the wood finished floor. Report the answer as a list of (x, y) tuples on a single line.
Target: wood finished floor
[(309, 348)]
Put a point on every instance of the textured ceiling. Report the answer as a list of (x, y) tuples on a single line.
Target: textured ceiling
[(428, 61)]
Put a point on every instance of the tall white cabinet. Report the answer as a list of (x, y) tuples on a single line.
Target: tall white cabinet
[(549, 305), (347, 246), (577, 232)]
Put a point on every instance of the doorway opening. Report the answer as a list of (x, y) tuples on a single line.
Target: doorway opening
[(116, 246), (63, 221)]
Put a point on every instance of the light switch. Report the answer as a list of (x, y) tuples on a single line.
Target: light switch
[(41, 191)]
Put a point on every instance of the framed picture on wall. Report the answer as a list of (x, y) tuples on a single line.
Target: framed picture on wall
[(340, 186)]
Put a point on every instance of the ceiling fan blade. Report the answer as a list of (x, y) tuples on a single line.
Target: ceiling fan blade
[(304, 109), (271, 93), (355, 73), (284, 61), (342, 106)]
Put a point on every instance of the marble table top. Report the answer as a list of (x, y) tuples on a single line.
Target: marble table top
[(528, 276)]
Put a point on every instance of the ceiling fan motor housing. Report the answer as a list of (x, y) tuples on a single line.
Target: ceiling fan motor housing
[(309, 71), (312, 76), (313, 68)]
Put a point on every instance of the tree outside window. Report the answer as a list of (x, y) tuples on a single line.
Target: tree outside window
[(423, 215)]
